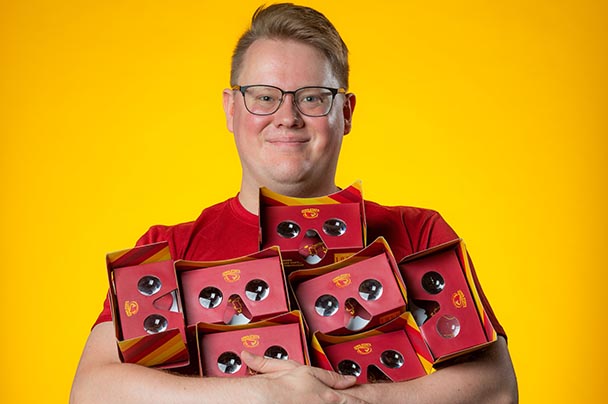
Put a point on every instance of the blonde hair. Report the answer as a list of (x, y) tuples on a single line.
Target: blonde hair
[(286, 21)]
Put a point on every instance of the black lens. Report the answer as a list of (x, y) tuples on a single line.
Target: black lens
[(433, 282), (276, 352), (155, 323), (149, 285), (257, 290), (326, 305), (229, 362), (334, 227), (370, 289), (348, 367), (210, 297), (288, 229), (391, 359)]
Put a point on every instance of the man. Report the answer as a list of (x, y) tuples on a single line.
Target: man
[(288, 110)]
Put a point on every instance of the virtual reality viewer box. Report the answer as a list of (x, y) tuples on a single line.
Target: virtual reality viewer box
[(312, 232), (146, 308), (444, 300), (220, 346), (356, 294), (393, 352), (236, 291)]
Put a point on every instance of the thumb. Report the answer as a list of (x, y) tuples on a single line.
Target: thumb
[(262, 364)]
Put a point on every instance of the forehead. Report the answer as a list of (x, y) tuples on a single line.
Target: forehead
[(287, 64)]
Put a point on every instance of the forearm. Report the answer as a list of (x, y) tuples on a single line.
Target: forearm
[(488, 378), (102, 378)]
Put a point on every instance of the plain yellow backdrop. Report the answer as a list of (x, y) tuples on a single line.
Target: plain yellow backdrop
[(492, 112)]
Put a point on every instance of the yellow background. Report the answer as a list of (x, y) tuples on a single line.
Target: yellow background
[(491, 112)]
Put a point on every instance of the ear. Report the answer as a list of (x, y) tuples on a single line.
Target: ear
[(228, 101), (347, 111)]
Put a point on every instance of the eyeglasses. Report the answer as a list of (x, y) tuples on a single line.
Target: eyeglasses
[(310, 101)]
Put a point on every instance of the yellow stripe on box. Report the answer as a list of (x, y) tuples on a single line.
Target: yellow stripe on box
[(164, 352)]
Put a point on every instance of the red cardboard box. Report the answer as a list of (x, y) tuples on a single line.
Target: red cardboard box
[(146, 307), (393, 352), (236, 291), (444, 300), (220, 346), (353, 295), (313, 231)]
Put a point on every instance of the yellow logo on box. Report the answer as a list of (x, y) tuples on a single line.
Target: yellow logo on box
[(231, 275), (342, 281), (250, 341), (458, 299), (364, 348), (310, 213), (131, 308)]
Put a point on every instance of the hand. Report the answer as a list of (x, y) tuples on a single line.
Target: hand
[(292, 382)]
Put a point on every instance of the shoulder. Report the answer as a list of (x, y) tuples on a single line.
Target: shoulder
[(407, 229)]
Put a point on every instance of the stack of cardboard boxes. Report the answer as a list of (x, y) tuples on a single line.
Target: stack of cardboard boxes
[(316, 292)]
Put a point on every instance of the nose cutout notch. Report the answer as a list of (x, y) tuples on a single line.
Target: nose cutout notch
[(312, 248), (355, 315), (236, 311)]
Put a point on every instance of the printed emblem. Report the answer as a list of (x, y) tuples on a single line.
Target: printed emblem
[(458, 299), (342, 281), (231, 275), (131, 308), (364, 348), (310, 213), (250, 341)]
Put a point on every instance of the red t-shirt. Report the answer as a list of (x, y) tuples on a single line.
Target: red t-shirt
[(227, 230)]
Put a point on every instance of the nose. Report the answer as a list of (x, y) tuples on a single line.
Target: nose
[(288, 114)]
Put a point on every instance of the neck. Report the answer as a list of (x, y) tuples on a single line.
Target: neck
[(249, 195)]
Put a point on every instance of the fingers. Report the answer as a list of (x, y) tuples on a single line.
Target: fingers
[(333, 379), (264, 365)]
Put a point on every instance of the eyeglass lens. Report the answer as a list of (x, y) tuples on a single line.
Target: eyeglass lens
[(266, 100)]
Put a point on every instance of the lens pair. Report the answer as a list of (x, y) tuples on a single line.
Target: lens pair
[(230, 363), (150, 285), (390, 358), (447, 326), (256, 290), (331, 227), (328, 305)]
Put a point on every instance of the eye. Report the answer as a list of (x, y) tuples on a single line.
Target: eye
[(229, 362), (155, 323), (326, 305), (257, 290), (334, 227), (391, 359), (370, 289), (288, 229), (210, 297), (276, 352), (348, 367), (149, 285)]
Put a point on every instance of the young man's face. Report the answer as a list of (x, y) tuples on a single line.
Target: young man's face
[(287, 151)]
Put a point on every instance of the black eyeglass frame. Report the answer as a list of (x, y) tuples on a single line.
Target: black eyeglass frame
[(333, 91)]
